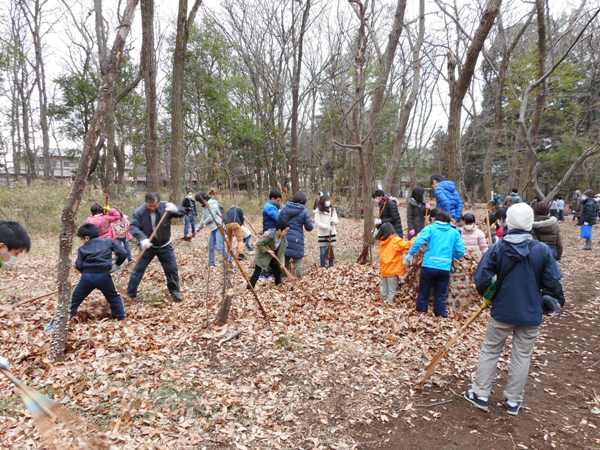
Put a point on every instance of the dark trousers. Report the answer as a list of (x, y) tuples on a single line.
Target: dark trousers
[(166, 256), (438, 281), (126, 247), (275, 270), (104, 282)]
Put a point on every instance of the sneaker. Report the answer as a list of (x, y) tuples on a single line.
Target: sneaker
[(512, 409), (177, 296), (477, 402)]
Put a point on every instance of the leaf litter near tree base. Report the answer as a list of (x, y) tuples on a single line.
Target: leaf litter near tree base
[(163, 379)]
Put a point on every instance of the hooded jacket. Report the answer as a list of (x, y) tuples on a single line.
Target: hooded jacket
[(524, 267), (546, 230), (298, 219), (234, 215), (104, 221), (444, 245), (141, 224), (415, 211), (448, 199), (212, 206), (589, 211), (270, 215), (389, 214), (96, 255), (392, 249), (267, 242), (474, 240)]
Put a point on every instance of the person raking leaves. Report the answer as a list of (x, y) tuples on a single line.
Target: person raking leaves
[(392, 249), (526, 276), (95, 262), (444, 245), (272, 240), (14, 240), (146, 220)]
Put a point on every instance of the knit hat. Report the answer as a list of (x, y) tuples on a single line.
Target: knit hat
[(385, 231), (299, 197), (519, 217)]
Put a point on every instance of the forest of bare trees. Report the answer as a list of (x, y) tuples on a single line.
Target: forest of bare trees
[(247, 95)]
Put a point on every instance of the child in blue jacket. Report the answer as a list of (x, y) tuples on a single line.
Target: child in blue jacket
[(444, 244)]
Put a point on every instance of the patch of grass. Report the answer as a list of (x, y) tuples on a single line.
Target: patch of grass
[(286, 342)]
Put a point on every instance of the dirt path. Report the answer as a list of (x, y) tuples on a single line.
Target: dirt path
[(563, 388)]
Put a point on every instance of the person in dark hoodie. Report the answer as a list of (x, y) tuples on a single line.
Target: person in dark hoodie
[(95, 262), (145, 220), (447, 197), (546, 229), (294, 214), (415, 213), (388, 211), (588, 215), (521, 268)]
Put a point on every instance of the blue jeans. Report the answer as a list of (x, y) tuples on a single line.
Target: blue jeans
[(323, 257), (166, 256), (127, 248), (104, 282), (189, 222), (437, 280), (215, 239)]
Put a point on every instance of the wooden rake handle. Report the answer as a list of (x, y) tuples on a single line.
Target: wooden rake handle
[(430, 369)]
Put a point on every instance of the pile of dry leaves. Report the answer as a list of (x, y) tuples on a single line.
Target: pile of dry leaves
[(331, 358)]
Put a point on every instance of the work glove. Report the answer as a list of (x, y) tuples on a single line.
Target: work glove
[(145, 244), (172, 208), (411, 233), (377, 221), (4, 363), (408, 260), (585, 223)]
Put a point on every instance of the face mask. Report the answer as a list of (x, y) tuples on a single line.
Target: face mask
[(9, 263), (327, 204)]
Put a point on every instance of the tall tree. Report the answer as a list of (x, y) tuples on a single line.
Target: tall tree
[(148, 63), (33, 16), (458, 87), (184, 23), (391, 178), (61, 316), (298, 43)]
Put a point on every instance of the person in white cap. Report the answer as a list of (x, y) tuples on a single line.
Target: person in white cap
[(525, 276)]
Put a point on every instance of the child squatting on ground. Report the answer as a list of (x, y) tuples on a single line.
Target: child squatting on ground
[(95, 262), (444, 244), (14, 240), (392, 249), (273, 240)]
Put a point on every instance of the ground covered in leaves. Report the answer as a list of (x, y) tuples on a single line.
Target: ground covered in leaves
[(333, 368)]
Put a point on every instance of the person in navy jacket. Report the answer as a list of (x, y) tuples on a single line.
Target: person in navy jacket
[(523, 270), (447, 197), (295, 214), (145, 220)]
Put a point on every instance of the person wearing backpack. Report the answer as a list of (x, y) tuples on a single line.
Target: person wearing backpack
[(526, 275), (588, 217)]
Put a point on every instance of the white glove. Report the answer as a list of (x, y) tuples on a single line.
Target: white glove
[(377, 221), (408, 259), (585, 223), (4, 363), (145, 244), (172, 208)]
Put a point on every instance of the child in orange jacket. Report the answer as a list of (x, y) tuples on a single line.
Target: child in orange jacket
[(392, 249)]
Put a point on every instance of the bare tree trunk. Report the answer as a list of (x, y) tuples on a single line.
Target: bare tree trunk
[(297, 70), (61, 316), (392, 176), (34, 19), (184, 23), (458, 88), (148, 63), (367, 153)]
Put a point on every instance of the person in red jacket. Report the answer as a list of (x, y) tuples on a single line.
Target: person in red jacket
[(103, 221)]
